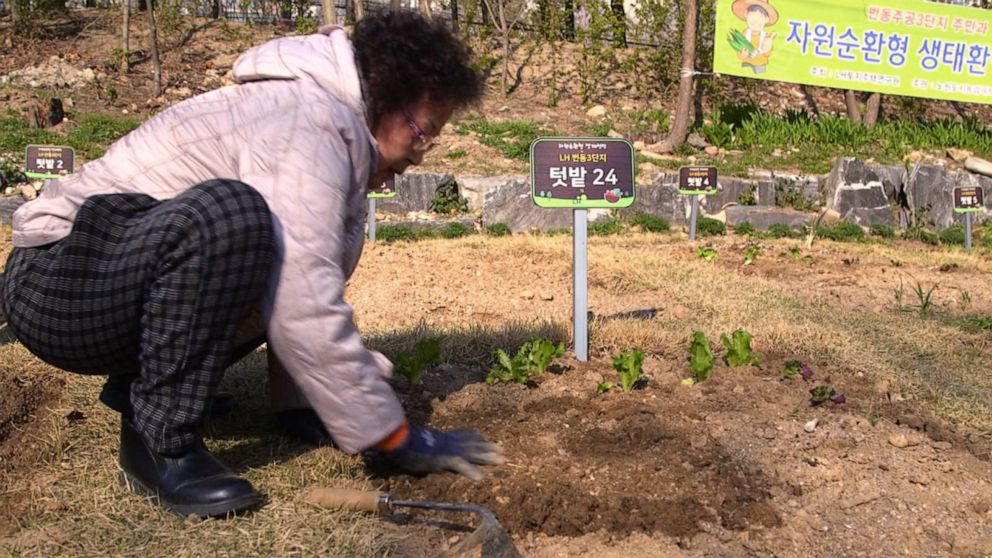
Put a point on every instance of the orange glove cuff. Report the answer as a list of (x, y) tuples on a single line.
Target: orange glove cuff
[(394, 440)]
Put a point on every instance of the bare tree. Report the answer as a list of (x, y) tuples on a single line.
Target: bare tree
[(153, 45), (508, 14), (395, 5), (425, 8), (872, 105), (683, 106), (330, 15), (359, 10)]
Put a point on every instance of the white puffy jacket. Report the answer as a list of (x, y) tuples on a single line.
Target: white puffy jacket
[(294, 128)]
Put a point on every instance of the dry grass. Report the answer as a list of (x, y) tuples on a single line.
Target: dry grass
[(650, 291)]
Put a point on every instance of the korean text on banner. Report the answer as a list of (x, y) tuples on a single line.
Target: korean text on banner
[(916, 48)]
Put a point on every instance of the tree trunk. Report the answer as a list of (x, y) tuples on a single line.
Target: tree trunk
[(349, 12), (853, 106), (619, 24), (330, 14), (359, 10), (505, 39), (395, 5), (126, 37), (680, 124), (871, 109), (216, 10), (425, 8), (153, 45), (454, 15)]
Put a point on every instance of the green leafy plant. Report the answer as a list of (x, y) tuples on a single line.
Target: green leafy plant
[(925, 298), (447, 200), (629, 366), (706, 253), (455, 230), (792, 369), (751, 253), (965, 300), (707, 226), (532, 359), (456, 154), (953, 235), (842, 231), (750, 197), (882, 231), (745, 229), (11, 172), (392, 233), (648, 222), (411, 366), (603, 387), (795, 253), (823, 393), (498, 229), (700, 358), (780, 230), (512, 137), (738, 347), (605, 227)]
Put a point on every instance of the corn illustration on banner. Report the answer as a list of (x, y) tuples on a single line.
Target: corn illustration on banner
[(902, 47)]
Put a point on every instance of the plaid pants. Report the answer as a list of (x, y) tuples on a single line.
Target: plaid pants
[(149, 289)]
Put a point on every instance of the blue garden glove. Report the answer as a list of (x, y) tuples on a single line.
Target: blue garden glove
[(427, 450)]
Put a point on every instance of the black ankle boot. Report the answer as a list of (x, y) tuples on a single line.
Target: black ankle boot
[(191, 483)]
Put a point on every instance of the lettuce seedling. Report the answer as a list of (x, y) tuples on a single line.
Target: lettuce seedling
[(823, 393), (603, 387), (751, 253), (629, 368), (540, 353), (412, 367), (738, 349), (792, 369), (700, 357), (706, 253), (507, 369)]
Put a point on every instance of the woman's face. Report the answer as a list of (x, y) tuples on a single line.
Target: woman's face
[(405, 136)]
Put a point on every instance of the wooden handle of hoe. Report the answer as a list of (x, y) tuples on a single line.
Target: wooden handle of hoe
[(344, 498)]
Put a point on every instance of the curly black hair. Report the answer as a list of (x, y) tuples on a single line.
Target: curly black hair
[(402, 56)]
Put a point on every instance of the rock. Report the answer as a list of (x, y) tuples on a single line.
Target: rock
[(737, 191), (475, 188), (655, 156), (777, 153), (902, 441), (414, 192), (914, 156), (8, 206), (596, 111), (510, 203), (763, 217), (811, 425), (712, 150), (662, 199), (614, 134), (933, 187), (527, 295), (697, 141), (547, 296), (958, 155), (28, 192), (979, 165), (639, 145)]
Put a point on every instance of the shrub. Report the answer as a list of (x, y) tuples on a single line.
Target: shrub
[(843, 231), (707, 226), (921, 234), (952, 235), (605, 228), (745, 229), (447, 200), (392, 233), (648, 222), (498, 229), (781, 230), (455, 230), (882, 231)]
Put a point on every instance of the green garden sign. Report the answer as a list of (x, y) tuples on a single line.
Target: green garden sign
[(386, 190), (695, 182), (968, 200), (48, 161)]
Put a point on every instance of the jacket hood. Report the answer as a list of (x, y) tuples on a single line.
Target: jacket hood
[(327, 58)]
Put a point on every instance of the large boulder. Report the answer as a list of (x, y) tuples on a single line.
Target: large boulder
[(662, 199), (414, 192), (763, 217), (848, 170), (736, 191), (931, 195), (510, 203), (475, 188)]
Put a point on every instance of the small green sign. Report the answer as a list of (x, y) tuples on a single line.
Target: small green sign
[(580, 173), (48, 161), (386, 190), (698, 180)]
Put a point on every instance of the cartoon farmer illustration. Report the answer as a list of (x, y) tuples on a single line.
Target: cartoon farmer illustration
[(754, 45)]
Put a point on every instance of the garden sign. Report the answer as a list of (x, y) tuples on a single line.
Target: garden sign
[(920, 49), (695, 182), (581, 173), (48, 161), (968, 200), (386, 190)]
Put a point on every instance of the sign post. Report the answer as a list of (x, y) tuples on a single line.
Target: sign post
[(696, 181), (968, 200), (386, 190), (48, 161), (581, 173)]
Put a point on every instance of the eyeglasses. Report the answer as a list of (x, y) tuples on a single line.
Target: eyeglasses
[(422, 142)]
